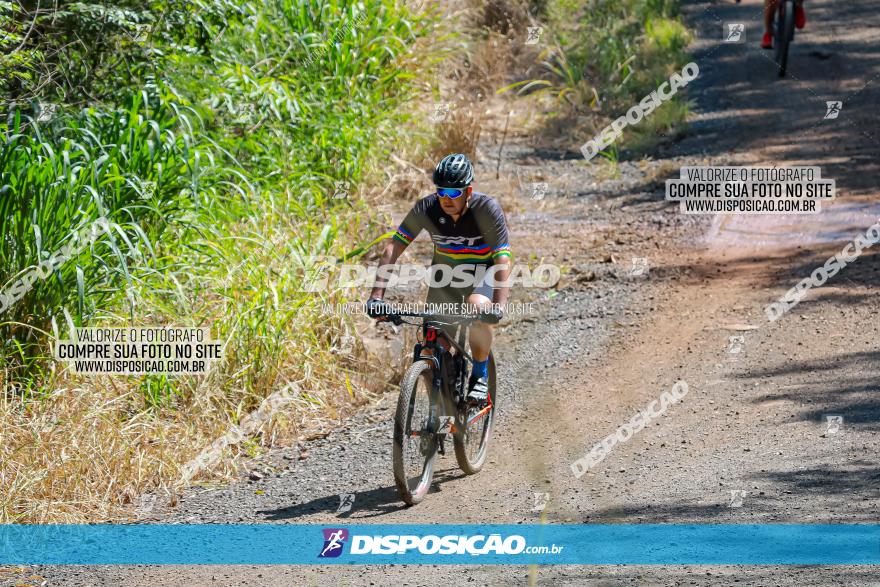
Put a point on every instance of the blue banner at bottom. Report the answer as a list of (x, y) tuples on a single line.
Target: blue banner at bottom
[(569, 544)]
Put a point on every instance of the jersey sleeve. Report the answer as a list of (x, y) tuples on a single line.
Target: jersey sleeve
[(495, 230), (412, 224)]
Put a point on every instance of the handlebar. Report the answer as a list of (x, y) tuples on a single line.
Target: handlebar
[(380, 310), (444, 319)]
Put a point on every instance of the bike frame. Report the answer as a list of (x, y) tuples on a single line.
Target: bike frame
[(443, 386)]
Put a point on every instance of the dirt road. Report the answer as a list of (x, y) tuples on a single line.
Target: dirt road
[(751, 440)]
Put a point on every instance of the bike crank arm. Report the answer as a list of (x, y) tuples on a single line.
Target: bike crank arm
[(445, 425)]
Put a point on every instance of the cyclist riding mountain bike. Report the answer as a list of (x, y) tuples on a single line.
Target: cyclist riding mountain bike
[(467, 228), (770, 7)]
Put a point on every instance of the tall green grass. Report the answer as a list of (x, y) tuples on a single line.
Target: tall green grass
[(620, 48), (606, 55), (291, 98), (214, 148), (137, 167)]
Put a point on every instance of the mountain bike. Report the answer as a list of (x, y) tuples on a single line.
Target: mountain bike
[(433, 406), (783, 33)]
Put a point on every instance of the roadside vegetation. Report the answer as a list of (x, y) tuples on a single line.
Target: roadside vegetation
[(601, 57), (226, 142), (229, 144)]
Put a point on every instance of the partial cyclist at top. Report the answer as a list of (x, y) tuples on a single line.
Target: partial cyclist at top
[(770, 7)]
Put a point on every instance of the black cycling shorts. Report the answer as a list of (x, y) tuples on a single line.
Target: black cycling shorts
[(458, 295)]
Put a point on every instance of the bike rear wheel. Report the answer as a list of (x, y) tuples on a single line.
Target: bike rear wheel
[(784, 35), (415, 444), (472, 441)]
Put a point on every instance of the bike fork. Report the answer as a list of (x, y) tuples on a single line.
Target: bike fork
[(435, 418)]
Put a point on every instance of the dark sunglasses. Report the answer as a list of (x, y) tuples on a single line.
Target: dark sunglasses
[(450, 192)]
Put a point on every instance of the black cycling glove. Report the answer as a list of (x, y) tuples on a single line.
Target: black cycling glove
[(377, 308), (492, 315)]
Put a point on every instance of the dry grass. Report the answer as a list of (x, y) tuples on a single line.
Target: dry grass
[(495, 58), (460, 132), (79, 456), (491, 52), (503, 16), (87, 451), (86, 448), (488, 52)]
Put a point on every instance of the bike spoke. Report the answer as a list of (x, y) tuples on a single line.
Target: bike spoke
[(474, 433), (418, 450)]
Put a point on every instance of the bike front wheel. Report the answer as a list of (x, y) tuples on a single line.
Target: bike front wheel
[(474, 428), (415, 444)]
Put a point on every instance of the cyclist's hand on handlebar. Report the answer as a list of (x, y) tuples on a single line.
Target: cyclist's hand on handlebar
[(491, 315), (377, 308)]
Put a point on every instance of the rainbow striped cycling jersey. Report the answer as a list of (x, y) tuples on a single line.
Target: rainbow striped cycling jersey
[(478, 238)]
